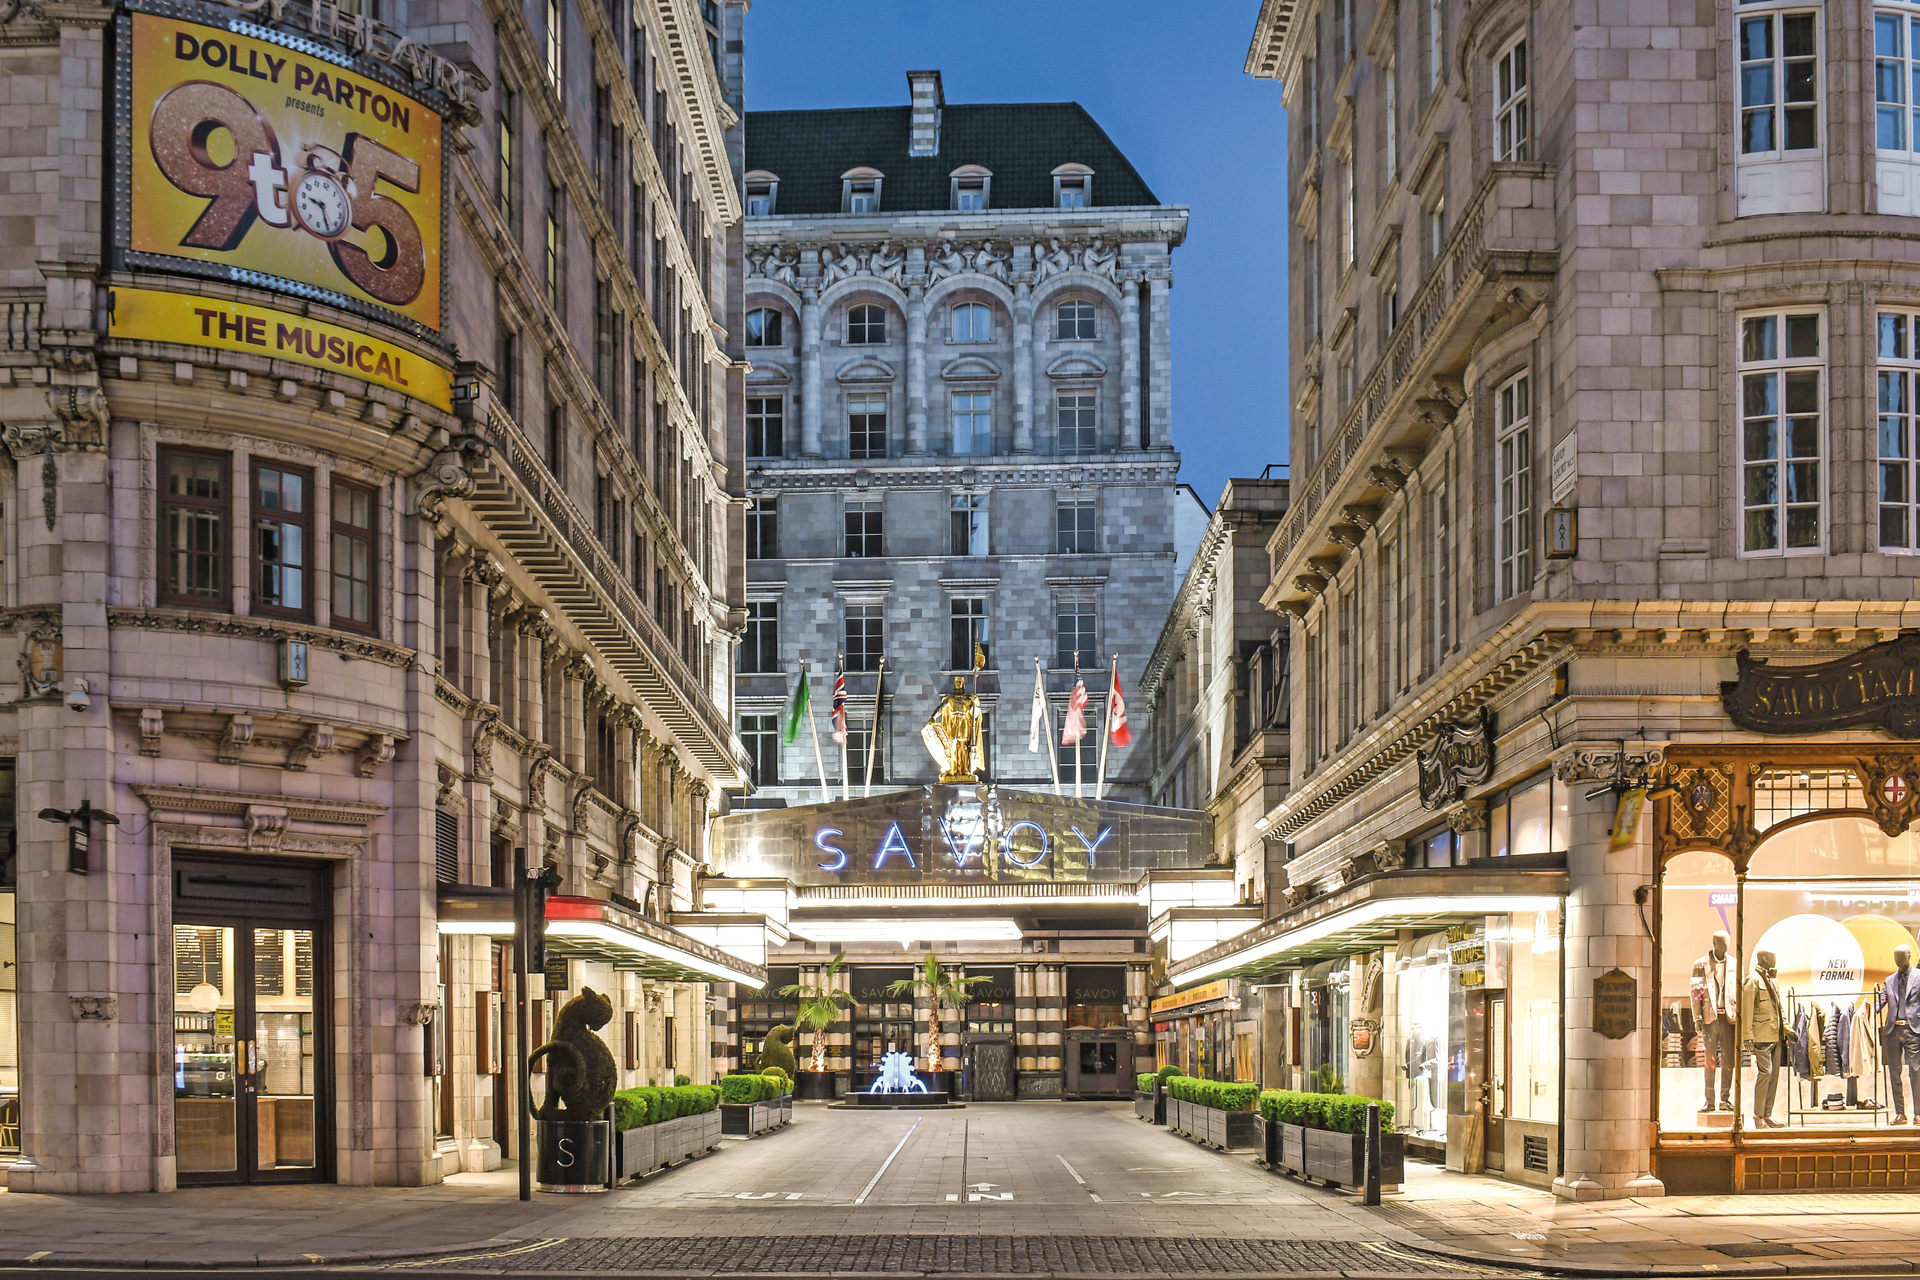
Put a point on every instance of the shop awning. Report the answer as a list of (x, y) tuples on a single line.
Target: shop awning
[(1370, 914), (592, 929)]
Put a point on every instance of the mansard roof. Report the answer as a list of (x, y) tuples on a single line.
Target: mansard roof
[(1019, 143)]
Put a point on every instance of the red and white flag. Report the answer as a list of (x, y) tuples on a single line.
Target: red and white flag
[(1117, 714), (1075, 727), (840, 706)]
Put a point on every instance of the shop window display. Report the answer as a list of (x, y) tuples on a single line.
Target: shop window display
[(1534, 994), (1791, 981), (1325, 988), (1418, 1067)]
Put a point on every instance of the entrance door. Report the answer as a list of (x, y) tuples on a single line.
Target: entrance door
[(1494, 1091), (249, 1036), (989, 1071), (1099, 1065)]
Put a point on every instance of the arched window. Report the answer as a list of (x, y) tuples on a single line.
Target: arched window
[(972, 322), (972, 188), (1074, 320), (866, 325), (763, 328), (860, 191)]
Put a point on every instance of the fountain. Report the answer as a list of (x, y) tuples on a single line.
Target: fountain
[(897, 1086)]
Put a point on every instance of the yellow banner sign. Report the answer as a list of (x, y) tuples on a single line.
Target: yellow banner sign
[(260, 158), (1198, 995), (157, 315)]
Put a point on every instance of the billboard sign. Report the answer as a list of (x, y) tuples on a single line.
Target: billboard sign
[(283, 168)]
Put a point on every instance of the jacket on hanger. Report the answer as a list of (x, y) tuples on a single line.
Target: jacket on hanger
[(1816, 1043), (1831, 1038), (1802, 1060), (1861, 1060)]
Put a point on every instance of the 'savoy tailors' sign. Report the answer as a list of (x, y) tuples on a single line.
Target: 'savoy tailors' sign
[(264, 165), (1877, 686)]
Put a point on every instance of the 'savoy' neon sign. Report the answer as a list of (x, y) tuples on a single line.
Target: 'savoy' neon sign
[(964, 848)]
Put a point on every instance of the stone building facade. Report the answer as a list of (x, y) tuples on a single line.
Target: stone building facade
[(1601, 351), (959, 427), (371, 531)]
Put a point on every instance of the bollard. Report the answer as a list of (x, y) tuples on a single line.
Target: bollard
[(1373, 1153)]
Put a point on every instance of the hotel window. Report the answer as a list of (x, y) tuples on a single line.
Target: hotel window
[(763, 529), (1073, 320), (860, 192), (1513, 491), (193, 521), (1440, 541), (556, 36), (352, 530), (509, 157), (1075, 430), (1073, 635), (1342, 32), (972, 422), (866, 326), (760, 645), (1080, 762), (1074, 530), (1777, 165), (1512, 135), (1896, 49), (970, 191), (867, 426), (1070, 191), (1346, 375), (554, 247), (1389, 118), (766, 426), (506, 377), (1435, 218), (968, 629), (763, 328), (282, 535), (1347, 248), (1434, 24), (863, 529), (972, 322), (860, 742), (967, 520), (1899, 417), (1530, 817), (1781, 430), (862, 636), (761, 195), (760, 735)]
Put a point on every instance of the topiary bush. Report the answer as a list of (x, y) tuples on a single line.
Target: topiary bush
[(1144, 1082), (1168, 1072), (744, 1087), (779, 1073), (1221, 1095), (651, 1104), (683, 1080), (777, 1051)]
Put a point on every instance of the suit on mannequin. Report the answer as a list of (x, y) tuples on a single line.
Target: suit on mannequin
[(1763, 1026), (1898, 1008), (1715, 1002)]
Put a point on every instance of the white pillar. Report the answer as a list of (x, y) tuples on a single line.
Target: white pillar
[(1160, 354), (1130, 364), (916, 370), (810, 373), (1023, 368)]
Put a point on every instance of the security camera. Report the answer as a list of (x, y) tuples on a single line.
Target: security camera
[(77, 699)]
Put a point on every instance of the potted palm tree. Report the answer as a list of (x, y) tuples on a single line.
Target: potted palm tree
[(941, 990), (820, 1006)]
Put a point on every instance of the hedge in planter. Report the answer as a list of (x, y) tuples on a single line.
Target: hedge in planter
[(1323, 1135), (648, 1104), (1337, 1112), (1221, 1095)]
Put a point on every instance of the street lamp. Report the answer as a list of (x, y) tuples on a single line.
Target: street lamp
[(79, 823)]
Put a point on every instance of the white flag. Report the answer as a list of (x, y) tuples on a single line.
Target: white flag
[(1037, 724)]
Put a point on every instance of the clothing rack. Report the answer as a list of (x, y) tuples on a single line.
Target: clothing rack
[(1803, 1095)]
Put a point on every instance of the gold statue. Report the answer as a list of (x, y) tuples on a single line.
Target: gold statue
[(952, 734)]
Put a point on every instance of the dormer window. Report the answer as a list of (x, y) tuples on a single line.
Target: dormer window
[(860, 191), (1072, 187), (971, 186), (763, 189)]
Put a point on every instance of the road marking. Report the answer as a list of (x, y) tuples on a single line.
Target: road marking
[(35, 1257), (1070, 1169), (531, 1247), (868, 1189)]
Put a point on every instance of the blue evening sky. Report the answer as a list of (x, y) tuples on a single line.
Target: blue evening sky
[(1165, 81)]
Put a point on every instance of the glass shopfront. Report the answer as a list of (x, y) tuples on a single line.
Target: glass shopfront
[(883, 1023), (1325, 1005), (1782, 992)]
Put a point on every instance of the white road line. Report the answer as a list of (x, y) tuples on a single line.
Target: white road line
[(1070, 1169), (865, 1191)]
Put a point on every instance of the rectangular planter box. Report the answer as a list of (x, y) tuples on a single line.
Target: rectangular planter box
[(1293, 1147), (633, 1154), (1341, 1157), (750, 1119), (1176, 1116), (1232, 1130), (1151, 1107), (655, 1146)]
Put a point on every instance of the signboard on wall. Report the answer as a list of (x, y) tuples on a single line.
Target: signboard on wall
[(1615, 1004), (295, 169)]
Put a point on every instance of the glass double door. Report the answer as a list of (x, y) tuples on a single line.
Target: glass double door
[(248, 1051)]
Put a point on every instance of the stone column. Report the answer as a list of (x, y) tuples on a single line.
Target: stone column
[(1130, 343), (810, 320), (1023, 355), (533, 661), (1160, 356), (916, 370), (1025, 1011), (572, 747)]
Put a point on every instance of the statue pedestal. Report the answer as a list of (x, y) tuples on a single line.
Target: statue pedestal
[(901, 1101)]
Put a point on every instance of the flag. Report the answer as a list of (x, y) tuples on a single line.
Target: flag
[(1117, 714), (797, 708), (1036, 725), (839, 705), (1075, 727)]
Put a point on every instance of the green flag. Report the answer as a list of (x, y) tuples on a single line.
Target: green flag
[(797, 708)]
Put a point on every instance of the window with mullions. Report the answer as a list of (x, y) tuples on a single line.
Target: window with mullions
[(972, 422), (1899, 388), (862, 635), (760, 735), (1779, 82), (1781, 407), (556, 45), (766, 426), (763, 529), (863, 523), (194, 512), (1896, 77), (282, 537), (1530, 817), (969, 629), (1512, 134), (1073, 633), (1074, 426), (763, 327), (967, 524), (1513, 496), (1074, 530), (972, 322), (1073, 321), (866, 325), (760, 644), (354, 555), (867, 427)]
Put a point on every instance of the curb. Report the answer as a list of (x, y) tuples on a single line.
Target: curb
[(1784, 1265), (60, 1260)]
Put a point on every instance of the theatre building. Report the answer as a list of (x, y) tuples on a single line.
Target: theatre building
[(1060, 905)]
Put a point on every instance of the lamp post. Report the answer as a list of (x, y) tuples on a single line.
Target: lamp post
[(79, 824)]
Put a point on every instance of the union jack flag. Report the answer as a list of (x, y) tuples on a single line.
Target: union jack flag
[(839, 705)]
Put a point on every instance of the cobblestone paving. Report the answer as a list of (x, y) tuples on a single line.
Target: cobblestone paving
[(970, 1255)]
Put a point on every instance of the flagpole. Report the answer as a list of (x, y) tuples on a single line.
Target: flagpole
[(846, 780), (1053, 752), (1078, 768), (873, 737), (1106, 734), (813, 730)]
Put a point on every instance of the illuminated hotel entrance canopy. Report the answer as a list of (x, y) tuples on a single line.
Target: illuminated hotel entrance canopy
[(961, 835)]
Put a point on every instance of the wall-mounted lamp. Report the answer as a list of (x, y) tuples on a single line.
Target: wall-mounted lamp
[(79, 823)]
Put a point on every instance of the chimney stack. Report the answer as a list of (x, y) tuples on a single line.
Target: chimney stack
[(923, 138)]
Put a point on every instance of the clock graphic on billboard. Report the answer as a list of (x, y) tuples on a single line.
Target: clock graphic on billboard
[(320, 201)]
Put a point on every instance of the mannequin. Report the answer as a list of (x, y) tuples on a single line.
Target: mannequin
[(1763, 1024), (1899, 1010), (1714, 1005)]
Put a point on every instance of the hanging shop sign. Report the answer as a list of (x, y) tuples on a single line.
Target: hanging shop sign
[(1460, 756), (268, 160), (1878, 686), (1616, 1004), (1196, 995)]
